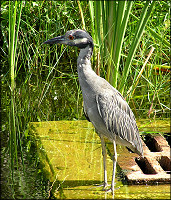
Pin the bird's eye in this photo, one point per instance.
(71, 37)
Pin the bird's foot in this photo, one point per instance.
(109, 190)
(104, 185)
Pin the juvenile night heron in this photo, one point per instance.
(104, 106)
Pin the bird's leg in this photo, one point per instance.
(114, 167)
(104, 153)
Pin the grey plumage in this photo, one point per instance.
(104, 106)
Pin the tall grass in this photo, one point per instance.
(43, 79)
(110, 21)
(110, 35)
(113, 26)
(15, 9)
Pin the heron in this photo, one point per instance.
(103, 105)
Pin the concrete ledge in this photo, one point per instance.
(153, 168)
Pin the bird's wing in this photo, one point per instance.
(85, 113)
(118, 117)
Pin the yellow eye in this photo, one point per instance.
(71, 37)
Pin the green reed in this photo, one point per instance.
(15, 9)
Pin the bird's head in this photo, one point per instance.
(78, 38)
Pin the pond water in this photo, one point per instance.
(70, 153)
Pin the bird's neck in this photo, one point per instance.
(85, 73)
(85, 56)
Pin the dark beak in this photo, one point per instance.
(58, 40)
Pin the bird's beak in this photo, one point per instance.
(58, 40)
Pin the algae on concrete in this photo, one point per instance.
(71, 155)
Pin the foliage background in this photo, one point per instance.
(46, 79)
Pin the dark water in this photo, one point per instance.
(28, 184)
